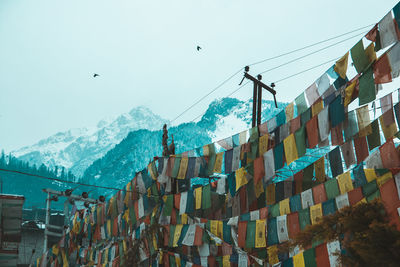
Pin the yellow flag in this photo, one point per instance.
(177, 234)
(384, 178)
(214, 227)
(260, 234)
(316, 213)
(317, 107)
(319, 167)
(298, 260)
(341, 65)
(218, 162)
(370, 52)
(240, 178)
(109, 233)
(270, 194)
(226, 261)
(284, 206)
(220, 229)
(258, 188)
(128, 195)
(364, 122)
(155, 242)
(290, 149)
(289, 111)
(272, 252)
(198, 191)
(263, 144)
(184, 218)
(65, 260)
(106, 255)
(177, 260)
(363, 200)
(345, 183)
(370, 175)
(55, 249)
(124, 245)
(183, 168)
(388, 131)
(126, 215)
(348, 92)
(152, 174)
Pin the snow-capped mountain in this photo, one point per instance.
(223, 118)
(76, 149)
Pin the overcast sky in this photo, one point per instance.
(145, 53)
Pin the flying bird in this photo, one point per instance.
(95, 75)
(198, 48)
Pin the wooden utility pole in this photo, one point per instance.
(52, 195)
(257, 95)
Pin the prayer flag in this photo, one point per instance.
(348, 153)
(319, 167)
(367, 87)
(290, 149)
(348, 93)
(360, 59)
(282, 228)
(312, 94)
(289, 111)
(394, 60)
(298, 260)
(198, 193)
(382, 70)
(341, 65)
(335, 161)
(316, 213)
(323, 124)
(388, 131)
(260, 234)
(342, 201)
(336, 111)
(240, 178)
(319, 193)
(293, 224)
(284, 206)
(389, 155)
(300, 104)
(387, 30)
(307, 198)
(345, 183)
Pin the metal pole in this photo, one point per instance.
(259, 105)
(47, 222)
(253, 122)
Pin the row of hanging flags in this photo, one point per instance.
(246, 210)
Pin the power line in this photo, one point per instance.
(281, 55)
(213, 90)
(311, 53)
(308, 46)
(298, 73)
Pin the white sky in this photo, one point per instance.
(145, 53)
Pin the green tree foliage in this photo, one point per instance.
(29, 186)
(367, 238)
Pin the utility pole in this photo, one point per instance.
(257, 95)
(52, 195)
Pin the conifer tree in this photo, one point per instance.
(366, 237)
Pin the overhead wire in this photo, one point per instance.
(308, 46)
(275, 57)
(311, 53)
